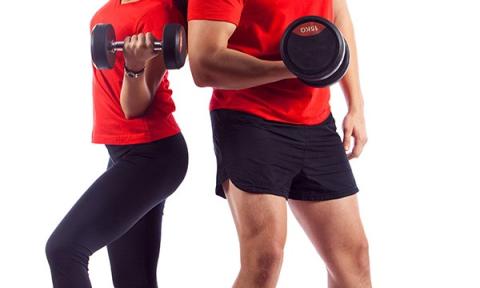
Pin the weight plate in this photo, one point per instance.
(312, 48)
(101, 46)
(338, 75)
(174, 46)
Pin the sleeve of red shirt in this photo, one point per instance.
(216, 10)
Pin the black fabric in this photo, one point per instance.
(122, 209)
(293, 161)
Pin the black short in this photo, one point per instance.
(293, 161)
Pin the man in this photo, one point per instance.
(275, 138)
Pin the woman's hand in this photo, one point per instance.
(137, 50)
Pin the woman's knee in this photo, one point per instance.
(63, 250)
(53, 248)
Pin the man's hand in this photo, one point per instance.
(354, 126)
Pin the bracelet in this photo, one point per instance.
(133, 74)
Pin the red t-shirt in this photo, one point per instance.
(110, 125)
(260, 26)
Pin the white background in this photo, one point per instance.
(418, 175)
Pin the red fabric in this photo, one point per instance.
(260, 26)
(110, 125)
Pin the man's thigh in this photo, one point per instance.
(257, 216)
(334, 227)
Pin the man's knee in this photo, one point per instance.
(360, 257)
(263, 263)
(352, 264)
(263, 246)
(262, 258)
(268, 258)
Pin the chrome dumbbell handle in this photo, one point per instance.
(118, 46)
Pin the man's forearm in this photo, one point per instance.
(350, 83)
(231, 69)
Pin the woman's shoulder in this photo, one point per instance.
(166, 9)
(102, 12)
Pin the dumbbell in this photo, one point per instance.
(104, 46)
(315, 51)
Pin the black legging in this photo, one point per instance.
(122, 209)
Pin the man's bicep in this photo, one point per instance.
(207, 37)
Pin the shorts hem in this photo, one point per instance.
(248, 189)
(326, 196)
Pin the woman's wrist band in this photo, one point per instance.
(133, 74)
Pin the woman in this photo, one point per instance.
(148, 156)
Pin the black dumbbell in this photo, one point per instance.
(104, 47)
(315, 51)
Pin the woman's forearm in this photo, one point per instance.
(137, 93)
(135, 96)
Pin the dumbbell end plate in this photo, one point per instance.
(335, 77)
(101, 40)
(312, 48)
(174, 46)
